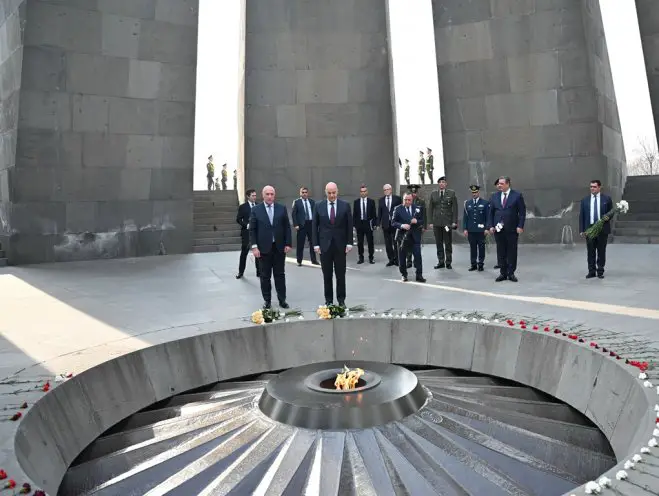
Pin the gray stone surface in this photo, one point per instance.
(317, 96)
(648, 22)
(104, 142)
(136, 380)
(526, 91)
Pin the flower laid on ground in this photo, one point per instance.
(326, 312)
(11, 484)
(642, 366)
(593, 487)
(622, 207)
(621, 475)
(645, 450)
(642, 376)
(63, 377)
(46, 387)
(268, 315)
(629, 465)
(25, 488)
(652, 443)
(16, 416)
(3, 474)
(604, 482)
(24, 405)
(647, 384)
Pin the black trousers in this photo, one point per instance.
(507, 251)
(389, 243)
(476, 247)
(364, 230)
(272, 265)
(333, 263)
(596, 250)
(244, 251)
(444, 242)
(304, 233)
(410, 248)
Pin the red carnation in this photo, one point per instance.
(510, 322)
(581, 340)
(16, 416)
(557, 331)
(39, 492)
(11, 484)
(46, 387)
(546, 329)
(535, 328)
(26, 489)
(3, 474)
(612, 353)
(604, 350)
(522, 322)
(523, 326)
(573, 337)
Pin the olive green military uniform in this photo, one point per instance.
(224, 178)
(422, 170)
(443, 215)
(235, 179)
(210, 173)
(407, 173)
(430, 167)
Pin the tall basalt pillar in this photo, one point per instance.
(317, 96)
(526, 91)
(648, 22)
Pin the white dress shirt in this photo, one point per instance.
(329, 214)
(595, 212)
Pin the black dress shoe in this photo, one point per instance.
(283, 304)
(299, 264)
(472, 268)
(403, 278)
(420, 279)
(328, 303)
(590, 275)
(360, 261)
(480, 268)
(501, 278)
(267, 305)
(448, 266)
(315, 262)
(258, 274)
(512, 278)
(497, 266)
(390, 264)
(440, 266)
(409, 265)
(342, 303)
(371, 261)
(239, 276)
(600, 276)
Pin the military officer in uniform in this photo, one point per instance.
(407, 171)
(210, 172)
(430, 167)
(414, 190)
(474, 224)
(444, 217)
(225, 174)
(235, 179)
(422, 168)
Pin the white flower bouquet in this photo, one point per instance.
(622, 207)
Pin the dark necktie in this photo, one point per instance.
(388, 204)
(596, 213)
(364, 209)
(442, 194)
(306, 209)
(409, 211)
(332, 213)
(505, 198)
(475, 201)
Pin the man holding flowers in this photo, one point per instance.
(595, 225)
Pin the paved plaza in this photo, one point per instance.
(61, 318)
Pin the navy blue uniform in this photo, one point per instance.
(475, 222)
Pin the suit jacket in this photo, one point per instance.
(244, 213)
(605, 206)
(261, 232)
(443, 211)
(400, 217)
(513, 215)
(371, 214)
(298, 213)
(384, 216)
(323, 233)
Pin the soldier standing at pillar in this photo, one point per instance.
(444, 217)
(422, 168)
(430, 166)
(235, 179)
(474, 223)
(225, 175)
(210, 172)
(407, 172)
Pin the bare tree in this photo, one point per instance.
(646, 161)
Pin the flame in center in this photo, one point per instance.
(348, 379)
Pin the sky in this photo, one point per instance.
(218, 65)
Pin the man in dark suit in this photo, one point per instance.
(270, 236)
(416, 200)
(332, 240)
(302, 213)
(386, 206)
(593, 208)
(408, 219)
(474, 224)
(363, 218)
(244, 213)
(507, 217)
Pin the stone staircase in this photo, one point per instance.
(3, 257)
(641, 224)
(214, 218)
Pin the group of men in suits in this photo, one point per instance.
(328, 227)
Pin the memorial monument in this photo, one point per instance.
(97, 112)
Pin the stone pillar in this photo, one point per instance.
(648, 23)
(317, 96)
(104, 156)
(522, 85)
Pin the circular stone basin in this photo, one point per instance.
(305, 396)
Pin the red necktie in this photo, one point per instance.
(332, 214)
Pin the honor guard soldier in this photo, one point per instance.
(430, 166)
(475, 225)
(225, 175)
(407, 171)
(422, 168)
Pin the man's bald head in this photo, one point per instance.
(268, 194)
(331, 191)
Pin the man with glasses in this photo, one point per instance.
(593, 208)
